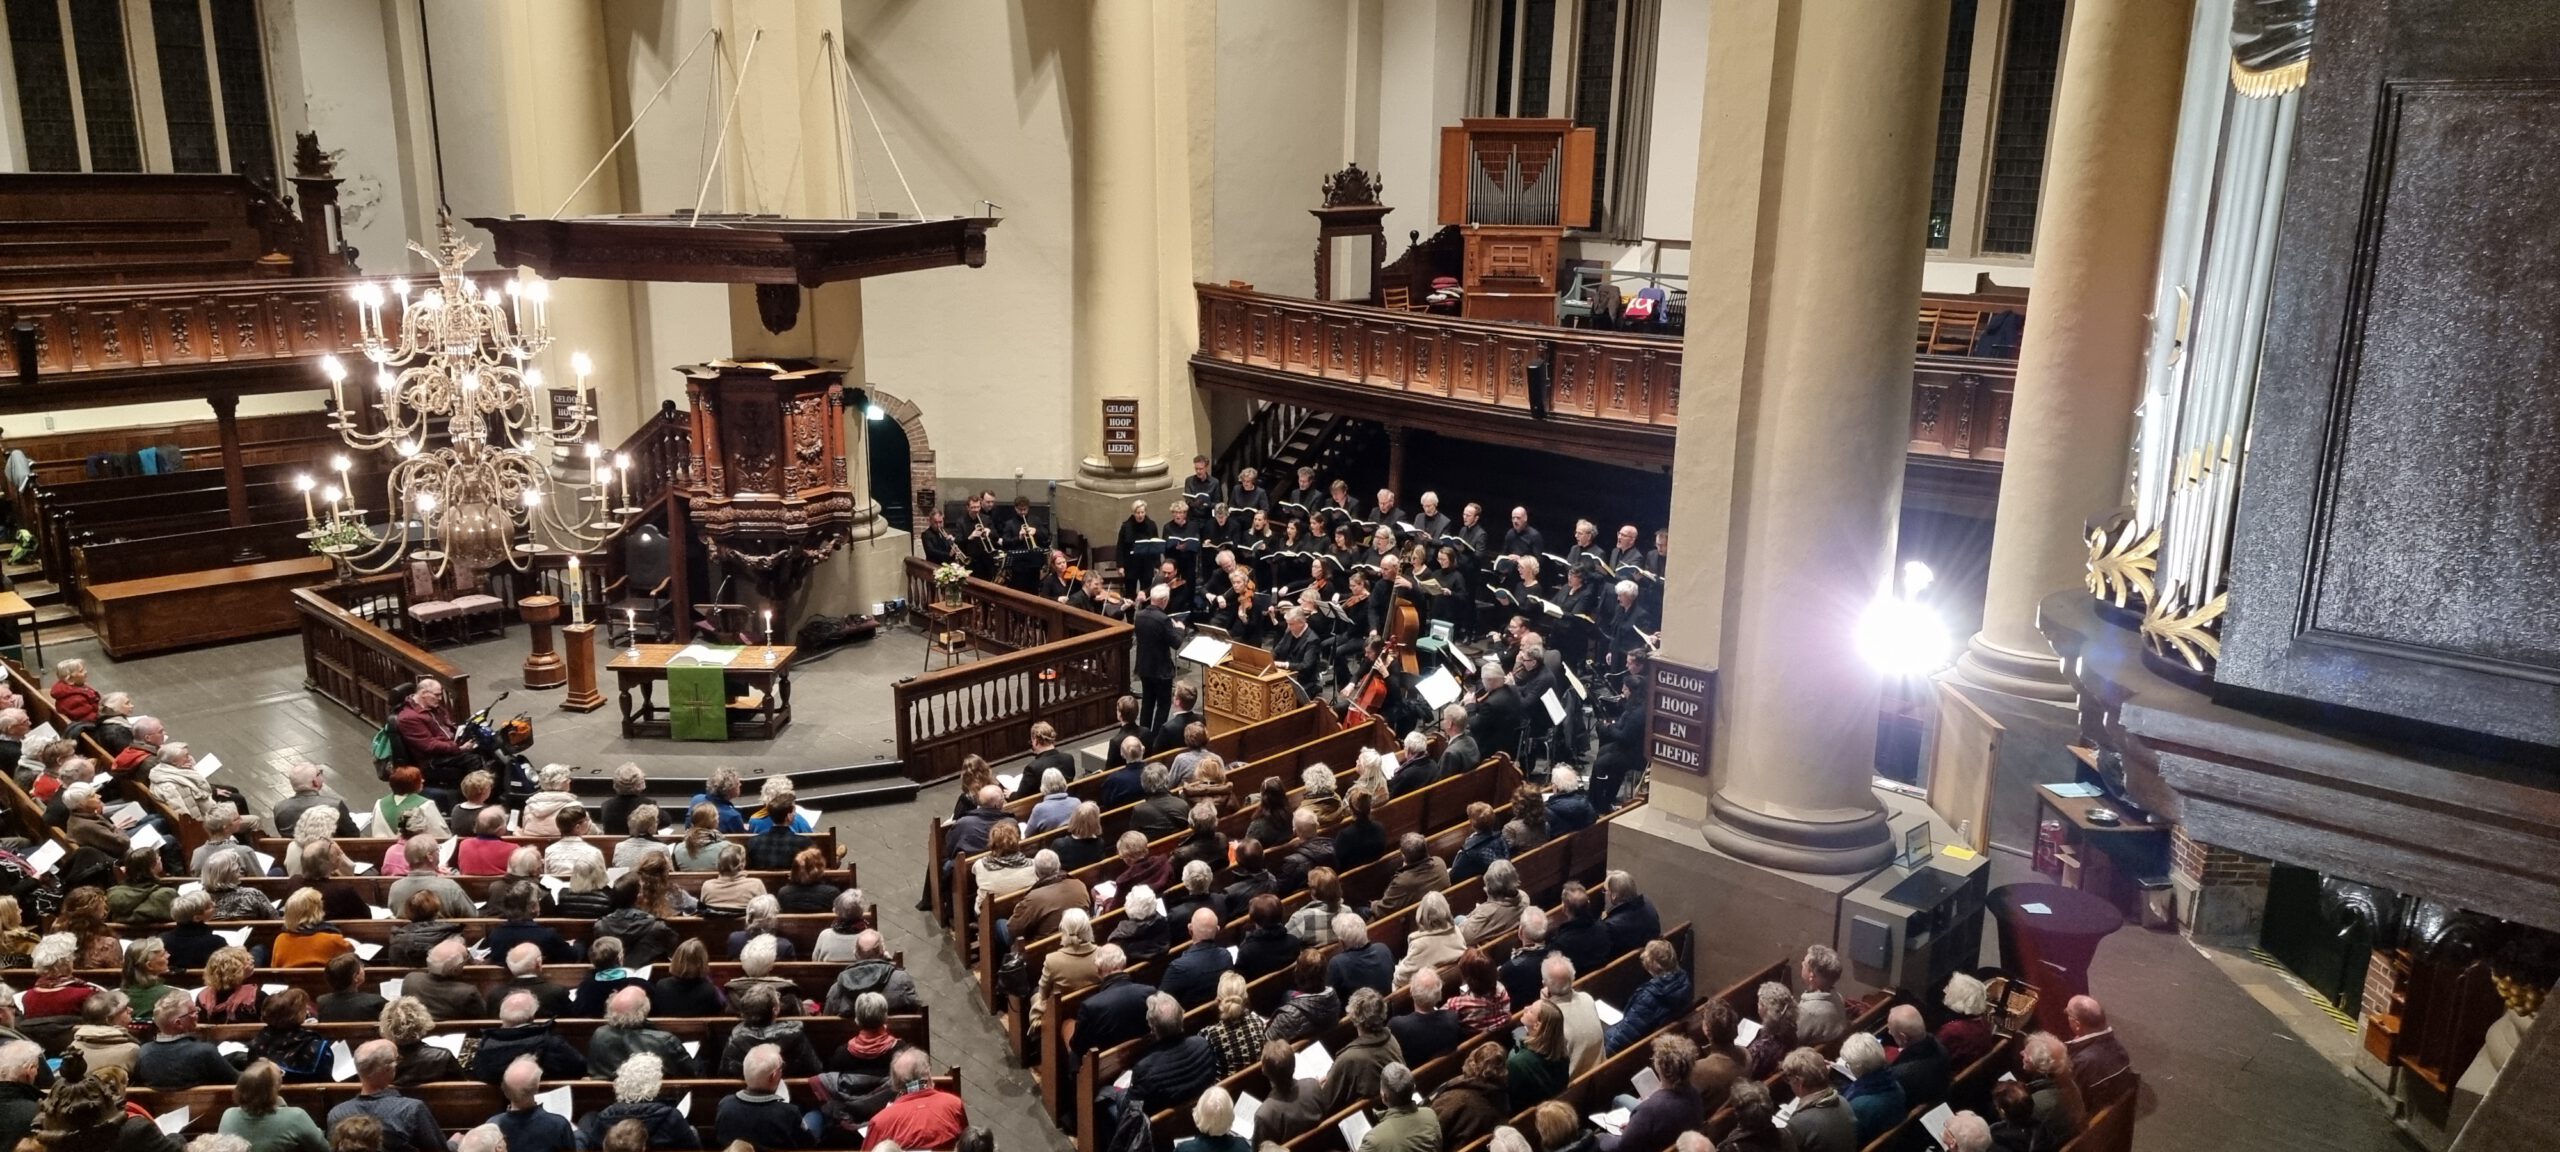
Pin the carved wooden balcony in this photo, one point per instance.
(118, 344)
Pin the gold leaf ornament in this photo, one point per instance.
(2191, 637)
(2121, 563)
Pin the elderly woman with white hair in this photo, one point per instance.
(542, 809)
(755, 970)
(1321, 796)
(763, 922)
(87, 824)
(1144, 932)
(221, 879)
(1056, 804)
(1069, 967)
(59, 991)
(1433, 940)
(635, 1097)
(1967, 1035)
(630, 794)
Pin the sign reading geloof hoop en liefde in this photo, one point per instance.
(1679, 715)
(1120, 429)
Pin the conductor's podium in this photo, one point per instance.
(1244, 689)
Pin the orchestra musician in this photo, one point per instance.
(939, 545)
(1055, 583)
(1024, 545)
(1621, 740)
(1299, 650)
(1180, 601)
(1132, 530)
(1096, 597)
(978, 537)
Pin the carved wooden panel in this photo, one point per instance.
(2399, 529)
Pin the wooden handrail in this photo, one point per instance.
(1055, 663)
(346, 658)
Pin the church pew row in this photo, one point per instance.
(1612, 985)
(1556, 859)
(1869, 1019)
(810, 977)
(373, 848)
(186, 830)
(2110, 1129)
(1968, 1090)
(1428, 809)
(376, 887)
(827, 1034)
(460, 1106)
(801, 928)
(1338, 750)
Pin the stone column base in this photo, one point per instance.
(2026, 675)
(1096, 506)
(1689, 879)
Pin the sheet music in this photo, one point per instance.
(1206, 650)
(1439, 689)
(1555, 707)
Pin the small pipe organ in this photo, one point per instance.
(1513, 186)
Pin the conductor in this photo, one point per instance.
(1155, 640)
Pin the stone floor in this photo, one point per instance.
(2232, 1058)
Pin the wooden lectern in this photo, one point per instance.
(1514, 186)
(1244, 688)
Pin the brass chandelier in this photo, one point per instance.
(461, 361)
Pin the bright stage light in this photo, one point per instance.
(1902, 636)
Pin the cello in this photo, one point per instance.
(1395, 648)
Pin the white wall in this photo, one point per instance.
(1282, 73)
(330, 63)
(1423, 88)
(168, 412)
(661, 171)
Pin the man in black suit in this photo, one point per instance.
(1299, 650)
(1045, 754)
(1201, 489)
(1496, 725)
(1155, 638)
(1533, 679)
(1186, 712)
(1116, 1012)
(1621, 747)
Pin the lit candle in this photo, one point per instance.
(577, 593)
(768, 627)
(427, 516)
(302, 483)
(622, 472)
(329, 496)
(341, 464)
(337, 374)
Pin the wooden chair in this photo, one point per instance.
(1398, 299)
(428, 610)
(638, 601)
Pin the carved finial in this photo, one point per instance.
(308, 159)
(1351, 188)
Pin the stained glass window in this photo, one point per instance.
(186, 91)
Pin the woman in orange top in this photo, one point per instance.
(308, 940)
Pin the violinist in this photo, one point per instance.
(1096, 597)
(939, 545)
(1348, 641)
(1231, 603)
(1138, 527)
(1180, 599)
(1059, 580)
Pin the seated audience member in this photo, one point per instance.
(1875, 1096)
(474, 796)
(1312, 1007)
(807, 889)
(1056, 804)
(1372, 1047)
(1577, 1012)
(1822, 1120)
(1051, 894)
(289, 1042)
(524, 974)
(1430, 1030)
(1144, 933)
(1360, 962)
(867, 1052)
(1777, 1017)
(1293, 1107)
(1312, 849)
(1160, 813)
(104, 1038)
(1126, 781)
(407, 1023)
(1268, 945)
(2098, 1059)
(1361, 839)
(1577, 933)
(720, 794)
(1483, 1002)
(1072, 966)
(1213, 1124)
(258, 1117)
(1821, 1017)
(766, 816)
(732, 888)
(551, 795)
(1432, 941)
(759, 1114)
(309, 782)
(755, 967)
(757, 1009)
(1631, 920)
(1246, 879)
(835, 941)
(1661, 999)
(84, 916)
(1116, 1011)
(408, 795)
(518, 927)
(635, 1098)
(440, 987)
(923, 1115)
(324, 867)
(85, 821)
(179, 1057)
(1046, 757)
(1919, 1064)
(1967, 1035)
(524, 871)
(562, 856)
(626, 1033)
(1205, 845)
(763, 922)
(1519, 971)
(630, 795)
(651, 887)
(1538, 1068)
(1192, 978)
(1176, 1067)
(2045, 1065)
(1500, 910)
(772, 849)
(1236, 1035)
(1484, 844)
(142, 898)
(1082, 844)
(1568, 809)
(640, 839)
(1716, 1029)
(1755, 1125)
(146, 975)
(1138, 867)
(526, 1125)
(74, 701)
(1003, 869)
(426, 928)
(58, 991)
(2016, 1130)
(1403, 1125)
(606, 975)
(405, 1124)
(686, 989)
(699, 851)
(348, 1001)
(1418, 871)
(222, 824)
(424, 875)
(315, 828)
(308, 940)
(519, 1034)
(1476, 1101)
(1966, 1132)
(230, 995)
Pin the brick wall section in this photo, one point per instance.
(2214, 867)
(2378, 984)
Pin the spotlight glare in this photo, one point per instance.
(1903, 638)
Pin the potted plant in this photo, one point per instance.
(950, 584)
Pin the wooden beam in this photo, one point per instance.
(226, 419)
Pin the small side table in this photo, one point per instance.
(583, 696)
(947, 633)
(543, 667)
(15, 607)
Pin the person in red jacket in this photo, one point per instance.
(922, 1116)
(428, 734)
(73, 698)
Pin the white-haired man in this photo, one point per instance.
(179, 1057)
(1361, 963)
(85, 819)
(1583, 1031)
(519, 1034)
(922, 1116)
(485, 1138)
(408, 1125)
(526, 1124)
(1875, 1098)
(1498, 713)
(635, 1097)
(626, 1033)
(311, 790)
(1155, 636)
(759, 1114)
(20, 1060)
(1430, 1031)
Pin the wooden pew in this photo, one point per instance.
(2110, 1129)
(462, 1105)
(374, 848)
(827, 1033)
(1973, 1082)
(376, 887)
(186, 830)
(810, 977)
(801, 928)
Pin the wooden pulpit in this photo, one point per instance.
(1244, 688)
(1513, 185)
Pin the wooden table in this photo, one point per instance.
(948, 634)
(761, 666)
(2114, 858)
(15, 607)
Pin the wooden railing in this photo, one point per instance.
(125, 328)
(347, 658)
(1611, 393)
(1050, 662)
